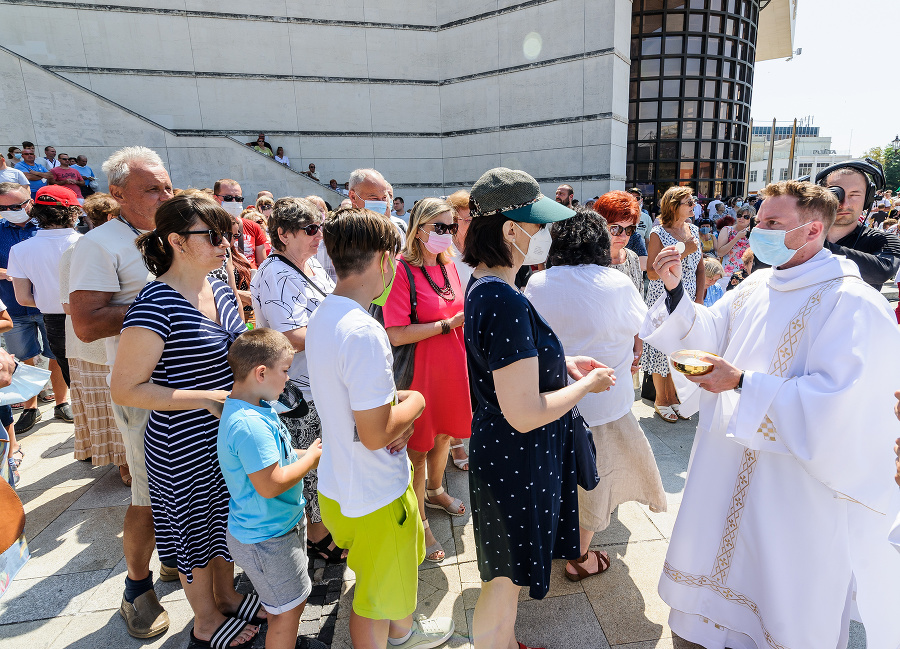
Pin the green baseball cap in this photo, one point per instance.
(517, 196)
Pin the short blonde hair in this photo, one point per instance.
(459, 200)
(425, 211)
(816, 203)
(713, 267)
(668, 204)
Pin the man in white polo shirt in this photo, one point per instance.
(107, 274)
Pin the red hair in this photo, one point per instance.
(618, 206)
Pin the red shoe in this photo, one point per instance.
(522, 646)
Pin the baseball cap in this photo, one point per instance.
(517, 196)
(56, 195)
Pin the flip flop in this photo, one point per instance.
(463, 464)
(230, 629)
(602, 565)
(666, 413)
(248, 609)
(455, 508)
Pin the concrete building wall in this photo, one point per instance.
(430, 93)
(37, 105)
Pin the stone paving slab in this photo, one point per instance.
(69, 593)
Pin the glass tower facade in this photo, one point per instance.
(689, 95)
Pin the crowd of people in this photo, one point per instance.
(287, 381)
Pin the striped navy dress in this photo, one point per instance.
(188, 495)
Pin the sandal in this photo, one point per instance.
(434, 548)
(463, 464)
(677, 408)
(666, 413)
(125, 475)
(524, 646)
(455, 508)
(331, 555)
(46, 396)
(248, 611)
(602, 565)
(230, 629)
(15, 463)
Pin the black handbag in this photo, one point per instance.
(404, 355)
(585, 455)
(648, 390)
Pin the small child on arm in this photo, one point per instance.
(266, 529)
(365, 485)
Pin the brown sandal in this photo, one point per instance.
(602, 563)
(125, 475)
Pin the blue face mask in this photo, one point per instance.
(704, 230)
(379, 207)
(769, 247)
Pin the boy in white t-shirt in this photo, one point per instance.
(365, 487)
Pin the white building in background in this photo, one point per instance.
(812, 153)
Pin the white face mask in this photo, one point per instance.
(379, 207)
(538, 247)
(233, 208)
(18, 217)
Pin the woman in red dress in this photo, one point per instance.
(440, 358)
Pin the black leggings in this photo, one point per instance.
(55, 324)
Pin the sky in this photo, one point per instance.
(847, 77)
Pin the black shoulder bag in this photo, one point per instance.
(404, 355)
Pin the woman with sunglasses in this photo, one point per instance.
(677, 206)
(622, 212)
(172, 361)
(440, 358)
(734, 240)
(289, 285)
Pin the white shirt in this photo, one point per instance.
(285, 160)
(92, 352)
(594, 311)
(11, 175)
(284, 301)
(698, 212)
(106, 260)
(462, 268)
(711, 208)
(350, 360)
(37, 259)
(47, 163)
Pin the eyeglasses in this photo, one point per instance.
(616, 230)
(442, 228)
(13, 208)
(743, 216)
(690, 203)
(228, 198)
(215, 238)
(312, 229)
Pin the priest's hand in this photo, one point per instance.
(668, 266)
(724, 375)
(897, 452)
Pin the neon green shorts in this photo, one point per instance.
(386, 548)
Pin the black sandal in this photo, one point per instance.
(248, 610)
(331, 555)
(230, 629)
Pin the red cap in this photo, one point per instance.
(56, 195)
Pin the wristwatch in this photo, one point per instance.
(740, 385)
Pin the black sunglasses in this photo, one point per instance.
(228, 198)
(13, 208)
(443, 228)
(215, 238)
(691, 202)
(312, 229)
(616, 230)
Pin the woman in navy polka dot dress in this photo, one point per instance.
(521, 456)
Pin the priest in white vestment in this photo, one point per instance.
(783, 529)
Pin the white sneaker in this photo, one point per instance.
(428, 633)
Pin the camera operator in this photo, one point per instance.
(876, 252)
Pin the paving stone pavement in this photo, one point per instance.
(68, 594)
